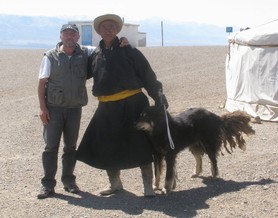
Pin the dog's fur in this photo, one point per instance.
(197, 129)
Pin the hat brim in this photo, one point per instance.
(117, 19)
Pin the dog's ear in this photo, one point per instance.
(145, 111)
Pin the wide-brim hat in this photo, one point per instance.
(117, 19)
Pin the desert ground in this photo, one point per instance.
(192, 77)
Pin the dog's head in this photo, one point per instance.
(150, 118)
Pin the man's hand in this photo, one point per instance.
(123, 42)
(161, 101)
(44, 115)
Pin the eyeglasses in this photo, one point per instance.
(107, 26)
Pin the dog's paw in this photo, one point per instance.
(149, 194)
(196, 175)
(165, 191)
(156, 187)
(213, 177)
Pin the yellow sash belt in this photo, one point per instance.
(119, 96)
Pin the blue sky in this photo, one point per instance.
(218, 12)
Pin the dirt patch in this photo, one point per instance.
(192, 77)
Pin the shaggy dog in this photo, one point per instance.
(197, 129)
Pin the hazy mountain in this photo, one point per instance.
(43, 32)
(182, 34)
(29, 32)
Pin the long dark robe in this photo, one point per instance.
(111, 141)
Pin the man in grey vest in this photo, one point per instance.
(62, 94)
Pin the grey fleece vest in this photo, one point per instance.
(66, 85)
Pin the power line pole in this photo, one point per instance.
(162, 40)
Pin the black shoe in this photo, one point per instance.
(45, 192)
(72, 188)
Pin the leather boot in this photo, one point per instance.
(115, 182)
(147, 176)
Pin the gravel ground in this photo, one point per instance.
(192, 77)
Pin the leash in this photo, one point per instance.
(168, 130)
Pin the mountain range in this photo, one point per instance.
(43, 32)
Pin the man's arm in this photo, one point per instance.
(43, 78)
(43, 113)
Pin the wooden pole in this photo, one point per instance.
(162, 39)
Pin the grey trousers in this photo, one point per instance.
(66, 122)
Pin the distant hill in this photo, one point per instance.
(183, 34)
(43, 32)
(29, 32)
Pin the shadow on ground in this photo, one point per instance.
(176, 204)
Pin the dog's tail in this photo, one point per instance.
(236, 124)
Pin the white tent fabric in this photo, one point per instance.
(252, 72)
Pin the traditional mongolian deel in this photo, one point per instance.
(111, 141)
